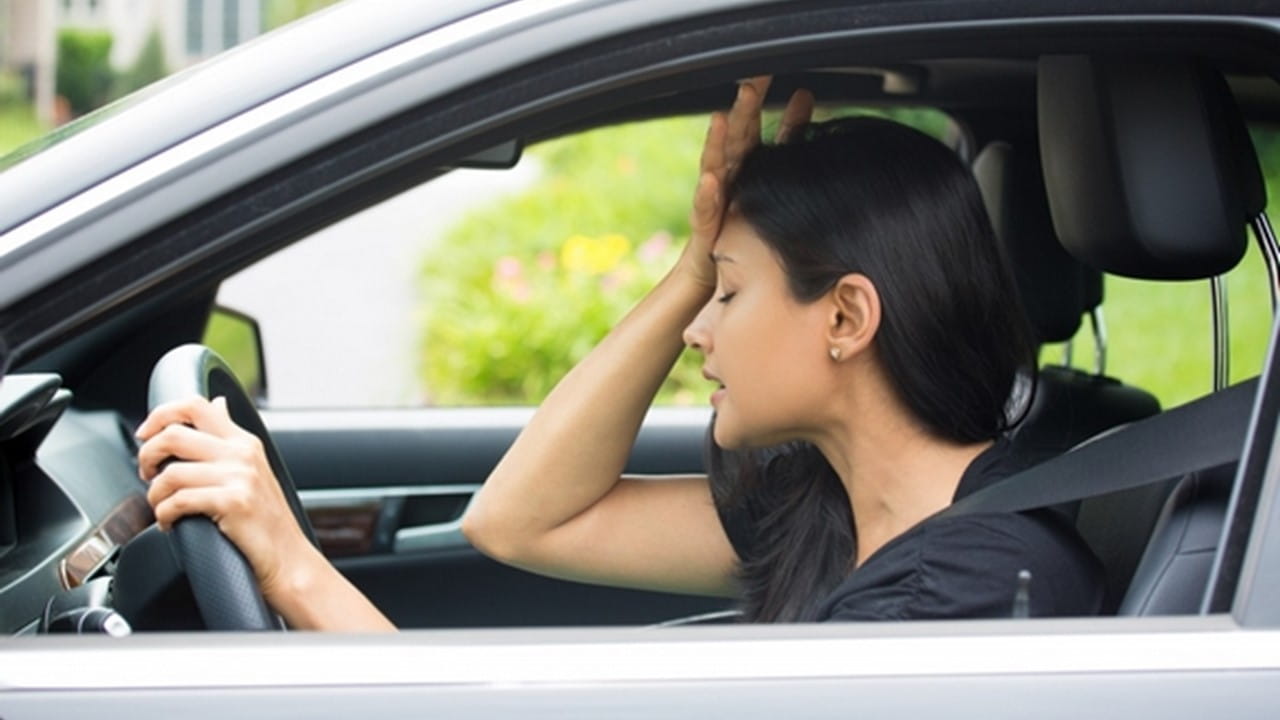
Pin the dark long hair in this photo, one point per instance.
(878, 198)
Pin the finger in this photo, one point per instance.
(799, 112)
(712, 160)
(210, 416)
(176, 441)
(744, 120)
(180, 475)
(214, 502)
(215, 418)
(179, 412)
(760, 85)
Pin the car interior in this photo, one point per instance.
(1094, 160)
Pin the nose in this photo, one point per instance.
(697, 334)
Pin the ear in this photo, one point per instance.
(854, 315)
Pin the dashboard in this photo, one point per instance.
(70, 500)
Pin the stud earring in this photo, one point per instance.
(835, 353)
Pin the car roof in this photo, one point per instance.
(111, 139)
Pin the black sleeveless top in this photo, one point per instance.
(963, 566)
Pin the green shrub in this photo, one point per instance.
(13, 89)
(520, 291)
(148, 68)
(84, 75)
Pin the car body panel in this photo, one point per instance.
(1114, 668)
(171, 220)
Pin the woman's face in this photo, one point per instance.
(766, 350)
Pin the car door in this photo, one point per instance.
(385, 489)
(387, 456)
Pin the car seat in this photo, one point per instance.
(1150, 174)
(1068, 405)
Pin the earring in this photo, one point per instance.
(835, 353)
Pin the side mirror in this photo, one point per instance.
(499, 157)
(238, 339)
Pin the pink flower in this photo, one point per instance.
(508, 268)
(655, 246)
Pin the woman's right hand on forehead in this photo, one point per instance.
(730, 137)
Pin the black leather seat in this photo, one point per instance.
(1067, 405)
(1175, 567)
(1150, 174)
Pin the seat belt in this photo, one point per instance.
(1202, 434)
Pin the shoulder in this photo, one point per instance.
(967, 567)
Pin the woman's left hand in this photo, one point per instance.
(199, 462)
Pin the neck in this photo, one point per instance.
(895, 472)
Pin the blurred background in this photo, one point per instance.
(485, 287)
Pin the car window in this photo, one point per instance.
(484, 287)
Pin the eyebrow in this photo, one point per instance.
(719, 258)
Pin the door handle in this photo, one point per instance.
(362, 521)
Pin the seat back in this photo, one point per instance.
(1149, 173)
(1067, 405)
(1175, 567)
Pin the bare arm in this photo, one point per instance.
(557, 503)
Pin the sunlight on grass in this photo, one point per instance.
(18, 125)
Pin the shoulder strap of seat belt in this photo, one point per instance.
(1200, 435)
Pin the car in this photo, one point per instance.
(116, 238)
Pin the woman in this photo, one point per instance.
(848, 297)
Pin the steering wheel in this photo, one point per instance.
(224, 585)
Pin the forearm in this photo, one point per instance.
(315, 596)
(575, 447)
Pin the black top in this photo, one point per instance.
(963, 566)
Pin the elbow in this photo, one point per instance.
(485, 533)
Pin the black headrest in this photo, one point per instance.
(1049, 279)
(1148, 165)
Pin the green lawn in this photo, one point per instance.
(18, 125)
(1160, 334)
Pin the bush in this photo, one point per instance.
(519, 292)
(148, 68)
(84, 75)
(13, 89)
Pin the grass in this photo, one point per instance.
(1160, 334)
(18, 125)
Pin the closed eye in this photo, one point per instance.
(726, 297)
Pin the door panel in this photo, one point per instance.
(386, 489)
